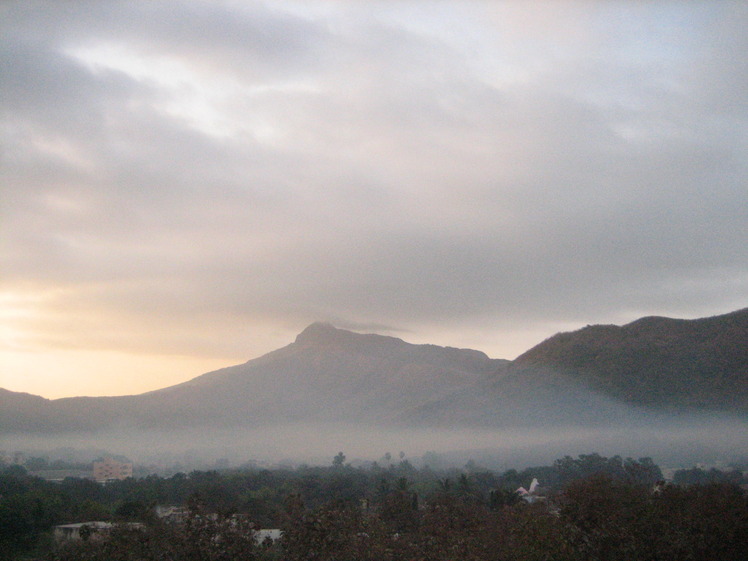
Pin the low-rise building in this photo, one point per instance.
(171, 514)
(94, 530)
(109, 469)
(81, 530)
(268, 535)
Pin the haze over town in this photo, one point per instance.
(187, 185)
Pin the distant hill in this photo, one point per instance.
(330, 375)
(22, 413)
(655, 361)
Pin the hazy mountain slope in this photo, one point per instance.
(326, 374)
(22, 412)
(656, 361)
(519, 397)
(329, 375)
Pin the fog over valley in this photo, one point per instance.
(680, 442)
(671, 389)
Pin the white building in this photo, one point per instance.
(74, 532)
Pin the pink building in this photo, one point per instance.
(109, 469)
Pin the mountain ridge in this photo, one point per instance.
(656, 361)
(327, 374)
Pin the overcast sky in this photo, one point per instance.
(187, 184)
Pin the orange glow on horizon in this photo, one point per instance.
(57, 373)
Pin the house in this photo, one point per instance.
(171, 514)
(267, 535)
(534, 494)
(80, 530)
(88, 530)
(109, 469)
(180, 514)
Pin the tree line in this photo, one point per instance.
(593, 507)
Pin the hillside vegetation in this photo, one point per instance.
(657, 361)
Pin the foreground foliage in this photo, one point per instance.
(593, 519)
(593, 508)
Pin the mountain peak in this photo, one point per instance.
(320, 332)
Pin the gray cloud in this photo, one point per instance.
(344, 161)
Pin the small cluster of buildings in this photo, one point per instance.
(104, 470)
